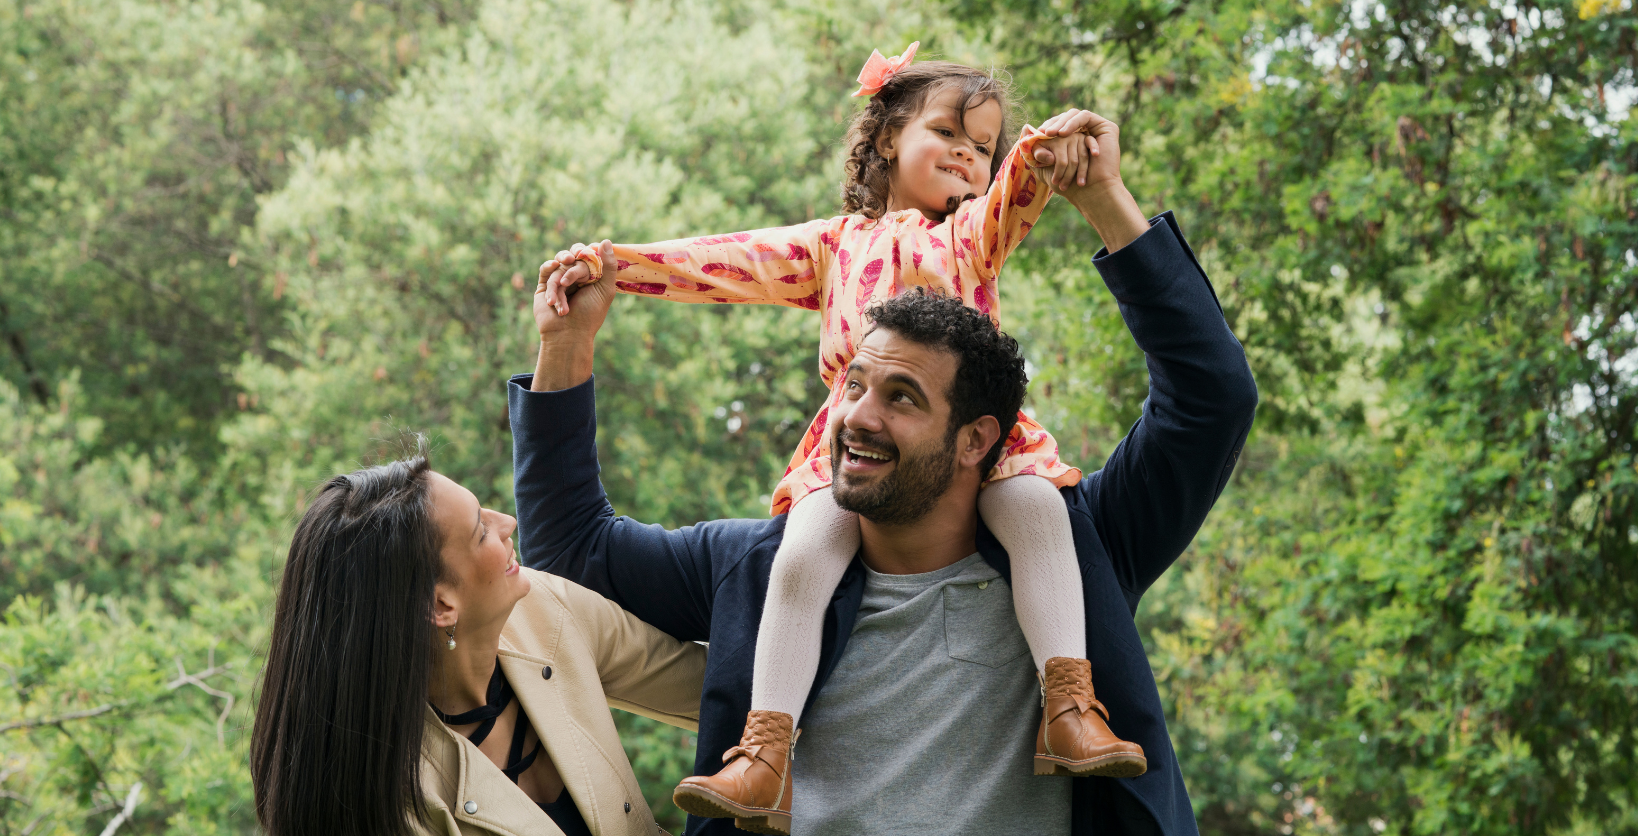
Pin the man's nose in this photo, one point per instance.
(863, 414)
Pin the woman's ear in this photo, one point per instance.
(446, 607)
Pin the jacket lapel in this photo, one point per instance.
(582, 768)
(493, 797)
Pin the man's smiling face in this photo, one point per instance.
(892, 450)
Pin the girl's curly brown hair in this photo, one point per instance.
(865, 185)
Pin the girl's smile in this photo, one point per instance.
(937, 156)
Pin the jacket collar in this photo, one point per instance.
(498, 801)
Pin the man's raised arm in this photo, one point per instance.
(1155, 490)
(566, 523)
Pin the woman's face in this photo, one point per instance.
(481, 578)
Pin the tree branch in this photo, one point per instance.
(60, 719)
(183, 678)
(19, 348)
(196, 680)
(131, 799)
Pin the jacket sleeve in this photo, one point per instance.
(567, 527)
(988, 230)
(776, 266)
(642, 669)
(1153, 493)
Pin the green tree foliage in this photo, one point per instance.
(1416, 611)
(135, 141)
(411, 255)
(242, 244)
(147, 682)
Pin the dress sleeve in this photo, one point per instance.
(775, 266)
(988, 230)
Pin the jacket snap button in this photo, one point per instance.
(470, 807)
(628, 806)
(546, 672)
(983, 584)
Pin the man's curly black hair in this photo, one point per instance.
(989, 378)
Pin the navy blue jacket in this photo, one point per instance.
(1131, 520)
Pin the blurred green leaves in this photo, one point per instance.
(242, 245)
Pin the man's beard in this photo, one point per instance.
(916, 484)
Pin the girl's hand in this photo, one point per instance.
(558, 276)
(1070, 148)
(1070, 157)
(1103, 138)
(552, 315)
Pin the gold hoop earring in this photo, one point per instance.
(450, 631)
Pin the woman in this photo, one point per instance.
(419, 681)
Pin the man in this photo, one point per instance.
(886, 749)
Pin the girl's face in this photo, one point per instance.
(936, 157)
(481, 578)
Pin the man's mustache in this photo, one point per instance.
(874, 442)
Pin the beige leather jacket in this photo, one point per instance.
(569, 654)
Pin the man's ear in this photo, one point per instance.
(446, 606)
(975, 440)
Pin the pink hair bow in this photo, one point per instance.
(878, 70)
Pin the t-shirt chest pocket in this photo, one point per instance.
(980, 625)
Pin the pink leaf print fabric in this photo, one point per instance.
(814, 266)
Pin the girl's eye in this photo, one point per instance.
(944, 132)
(983, 150)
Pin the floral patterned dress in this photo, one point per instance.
(840, 267)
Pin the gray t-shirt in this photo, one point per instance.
(928, 723)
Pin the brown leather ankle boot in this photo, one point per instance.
(1075, 739)
(754, 786)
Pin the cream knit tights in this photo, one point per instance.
(1029, 518)
(820, 541)
(1024, 512)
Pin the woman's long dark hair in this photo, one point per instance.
(336, 747)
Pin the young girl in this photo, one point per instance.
(934, 135)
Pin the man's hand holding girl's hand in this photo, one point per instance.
(1092, 184)
(567, 275)
(562, 274)
(1082, 148)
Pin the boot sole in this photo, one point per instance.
(1106, 766)
(709, 805)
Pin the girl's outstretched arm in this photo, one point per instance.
(775, 266)
(989, 229)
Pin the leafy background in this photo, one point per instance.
(241, 243)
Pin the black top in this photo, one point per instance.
(563, 811)
(1131, 519)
